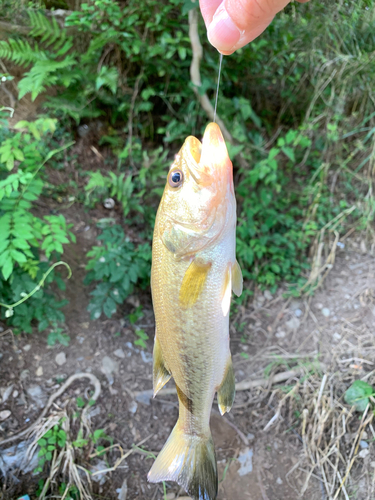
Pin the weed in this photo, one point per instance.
(58, 335)
(119, 265)
(26, 237)
(136, 315)
(142, 338)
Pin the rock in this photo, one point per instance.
(364, 453)
(39, 371)
(363, 247)
(95, 411)
(250, 436)
(37, 395)
(60, 358)
(15, 394)
(7, 392)
(245, 458)
(293, 324)
(16, 457)
(144, 397)
(280, 334)
(337, 336)
(99, 478)
(119, 353)
(5, 414)
(319, 306)
(268, 295)
(109, 203)
(123, 491)
(279, 480)
(326, 312)
(146, 357)
(133, 407)
(133, 300)
(363, 444)
(24, 374)
(27, 347)
(372, 464)
(298, 313)
(109, 367)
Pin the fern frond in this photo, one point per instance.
(50, 32)
(44, 27)
(21, 52)
(43, 74)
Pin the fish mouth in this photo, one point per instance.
(207, 159)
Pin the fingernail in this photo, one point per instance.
(222, 32)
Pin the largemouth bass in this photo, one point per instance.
(194, 271)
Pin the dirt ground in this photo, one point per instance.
(270, 336)
(273, 443)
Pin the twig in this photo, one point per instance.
(261, 487)
(279, 406)
(245, 385)
(52, 398)
(122, 458)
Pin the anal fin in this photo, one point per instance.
(227, 389)
(161, 375)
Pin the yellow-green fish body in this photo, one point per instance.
(194, 270)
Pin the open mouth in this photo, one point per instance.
(206, 157)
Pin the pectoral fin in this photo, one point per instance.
(161, 375)
(193, 283)
(237, 280)
(227, 390)
(227, 290)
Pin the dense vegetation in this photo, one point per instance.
(298, 102)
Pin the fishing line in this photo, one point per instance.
(217, 88)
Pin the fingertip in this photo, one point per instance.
(222, 33)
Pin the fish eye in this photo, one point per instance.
(175, 178)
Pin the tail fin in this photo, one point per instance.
(190, 461)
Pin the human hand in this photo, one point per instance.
(231, 24)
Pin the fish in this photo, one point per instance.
(194, 271)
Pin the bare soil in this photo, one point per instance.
(261, 449)
(264, 340)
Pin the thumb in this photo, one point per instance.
(231, 24)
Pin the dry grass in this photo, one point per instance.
(332, 433)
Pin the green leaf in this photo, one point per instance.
(7, 268)
(109, 307)
(18, 256)
(107, 77)
(80, 443)
(80, 402)
(289, 153)
(358, 395)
